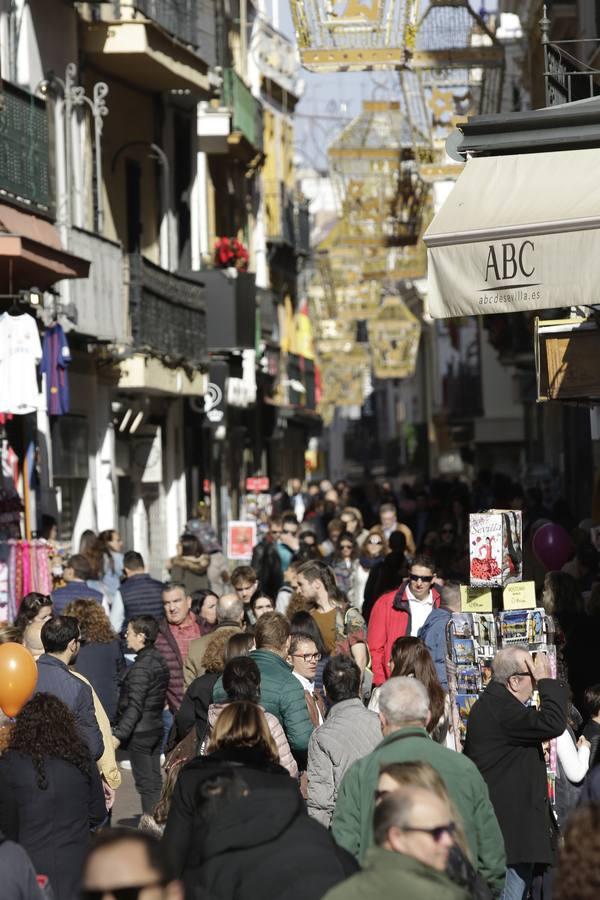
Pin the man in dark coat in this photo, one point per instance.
(61, 639)
(504, 740)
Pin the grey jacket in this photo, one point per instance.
(348, 733)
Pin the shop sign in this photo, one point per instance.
(256, 485)
(241, 538)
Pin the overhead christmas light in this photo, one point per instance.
(354, 35)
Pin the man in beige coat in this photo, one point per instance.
(230, 614)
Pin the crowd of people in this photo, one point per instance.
(287, 721)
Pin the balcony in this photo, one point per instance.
(235, 125)
(103, 319)
(279, 213)
(276, 58)
(168, 314)
(24, 151)
(287, 219)
(230, 309)
(157, 45)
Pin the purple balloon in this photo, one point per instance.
(552, 546)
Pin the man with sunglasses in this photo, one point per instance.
(414, 833)
(504, 739)
(128, 865)
(412, 610)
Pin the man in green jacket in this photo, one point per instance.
(404, 714)
(280, 691)
(414, 833)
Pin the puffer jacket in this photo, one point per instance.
(277, 733)
(280, 694)
(143, 695)
(191, 571)
(348, 733)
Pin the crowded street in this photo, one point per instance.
(299, 450)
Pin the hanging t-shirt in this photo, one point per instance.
(55, 359)
(20, 352)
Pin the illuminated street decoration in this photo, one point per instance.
(354, 35)
(358, 301)
(380, 195)
(457, 71)
(394, 339)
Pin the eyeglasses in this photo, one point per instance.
(426, 579)
(307, 657)
(526, 674)
(123, 893)
(375, 541)
(436, 833)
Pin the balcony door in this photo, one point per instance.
(133, 200)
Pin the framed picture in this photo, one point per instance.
(241, 538)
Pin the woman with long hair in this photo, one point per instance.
(345, 561)
(100, 658)
(388, 576)
(372, 552)
(111, 545)
(57, 789)
(411, 658)
(261, 604)
(35, 609)
(237, 826)
(91, 547)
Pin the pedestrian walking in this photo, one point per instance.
(57, 790)
(100, 658)
(348, 733)
(138, 595)
(139, 724)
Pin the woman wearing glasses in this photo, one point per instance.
(35, 609)
(372, 552)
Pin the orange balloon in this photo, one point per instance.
(18, 677)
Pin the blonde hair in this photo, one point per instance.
(423, 775)
(378, 530)
(243, 724)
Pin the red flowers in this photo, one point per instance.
(231, 252)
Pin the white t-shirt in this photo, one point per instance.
(419, 611)
(20, 352)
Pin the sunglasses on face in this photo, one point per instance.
(375, 541)
(436, 833)
(293, 531)
(124, 893)
(426, 579)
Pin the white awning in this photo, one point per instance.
(517, 233)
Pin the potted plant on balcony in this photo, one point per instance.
(230, 254)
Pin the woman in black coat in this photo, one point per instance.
(100, 658)
(57, 790)
(237, 821)
(139, 724)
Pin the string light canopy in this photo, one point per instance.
(451, 35)
(354, 35)
(457, 70)
(380, 194)
(394, 336)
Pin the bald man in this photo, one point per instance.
(230, 614)
(505, 734)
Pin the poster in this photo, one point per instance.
(496, 540)
(474, 599)
(241, 538)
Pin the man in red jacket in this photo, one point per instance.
(402, 612)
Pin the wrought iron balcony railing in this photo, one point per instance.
(168, 313)
(24, 149)
(246, 110)
(568, 77)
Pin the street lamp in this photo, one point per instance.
(74, 96)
